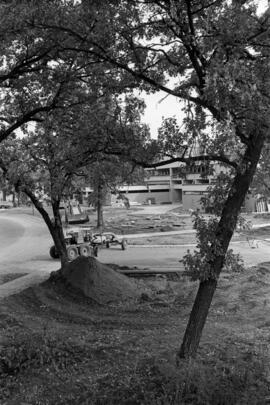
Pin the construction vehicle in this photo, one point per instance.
(82, 242)
(75, 215)
(78, 244)
(109, 238)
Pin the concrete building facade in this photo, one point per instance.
(177, 183)
(172, 183)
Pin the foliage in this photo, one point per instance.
(48, 160)
(71, 102)
(27, 78)
(111, 174)
(261, 182)
(213, 55)
(198, 264)
(113, 169)
(213, 201)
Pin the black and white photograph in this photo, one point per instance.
(134, 202)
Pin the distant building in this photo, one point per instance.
(177, 183)
(171, 183)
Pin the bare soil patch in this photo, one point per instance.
(181, 239)
(190, 238)
(122, 221)
(131, 221)
(59, 347)
(128, 222)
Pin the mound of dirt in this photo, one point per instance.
(99, 282)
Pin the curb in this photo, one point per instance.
(21, 283)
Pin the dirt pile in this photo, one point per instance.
(99, 282)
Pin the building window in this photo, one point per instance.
(202, 181)
(188, 181)
(160, 191)
(133, 191)
(163, 172)
(178, 171)
(195, 193)
(194, 169)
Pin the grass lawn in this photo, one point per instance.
(60, 348)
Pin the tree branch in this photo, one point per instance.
(27, 117)
(188, 160)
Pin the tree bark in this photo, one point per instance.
(55, 228)
(100, 219)
(14, 198)
(57, 233)
(4, 194)
(18, 199)
(224, 232)
(197, 318)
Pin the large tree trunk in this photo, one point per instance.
(224, 232)
(55, 227)
(18, 199)
(197, 318)
(100, 219)
(57, 233)
(14, 198)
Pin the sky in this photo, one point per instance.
(158, 107)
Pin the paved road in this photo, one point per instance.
(26, 241)
(10, 232)
(163, 256)
(26, 248)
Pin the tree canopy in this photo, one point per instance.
(48, 159)
(214, 55)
